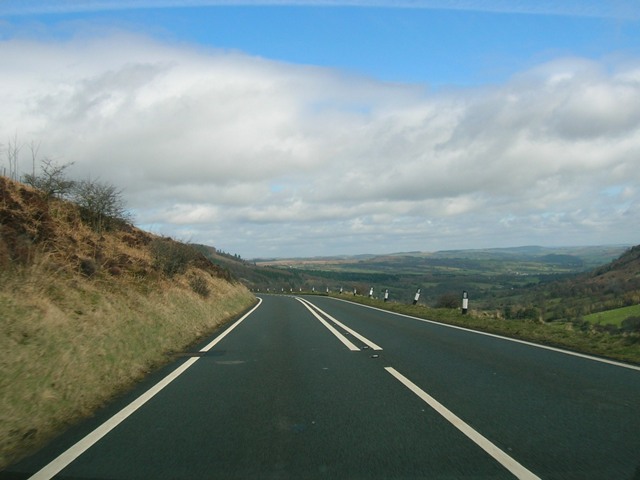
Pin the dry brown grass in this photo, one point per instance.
(84, 316)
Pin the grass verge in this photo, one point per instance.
(622, 347)
(69, 345)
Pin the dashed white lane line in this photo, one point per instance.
(73, 452)
(505, 460)
(362, 338)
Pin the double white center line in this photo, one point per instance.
(316, 311)
(489, 447)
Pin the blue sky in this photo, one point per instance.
(318, 128)
(433, 46)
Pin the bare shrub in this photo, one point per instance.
(172, 257)
(448, 300)
(101, 205)
(631, 324)
(88, 267)
(199, 285)
(52, 180)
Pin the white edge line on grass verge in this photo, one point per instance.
(362, 338)
(64, 459)
(501, 337)
(330, 327)
(496, 453)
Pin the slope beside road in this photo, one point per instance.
(319, 388)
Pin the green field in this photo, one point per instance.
(614, 317)
(491, 276)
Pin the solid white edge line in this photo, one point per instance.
(501, 337)
(505, 460)
(64, 459)
(209, 346)
(330, 327)
(362, 338)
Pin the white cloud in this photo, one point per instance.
(266, 158)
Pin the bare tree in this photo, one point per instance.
(52, 180)
(101, 204)
(35, 148)
(13, 155)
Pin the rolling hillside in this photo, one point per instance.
(86, 313)
(613, 285)
(492, 277)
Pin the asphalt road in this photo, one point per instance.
(345, 391)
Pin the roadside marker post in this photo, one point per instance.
(371, 293)
(465, 302)
(386, 295)
(417, 296)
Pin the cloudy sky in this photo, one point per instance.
(309, 128)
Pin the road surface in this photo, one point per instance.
(315, 387)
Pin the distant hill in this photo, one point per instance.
(252, 276)
(492, 276)
(579, 257)
(613, 285)
(626, 268)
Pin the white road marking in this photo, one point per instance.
(330, 327)
(73, 452)
(505, 460)
(209, 346)
(501, 337)
(363, 339)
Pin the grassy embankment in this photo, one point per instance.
(621, 346)
(85, 315)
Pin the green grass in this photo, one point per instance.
(614, 317)
(69, 345)
(622, 347)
